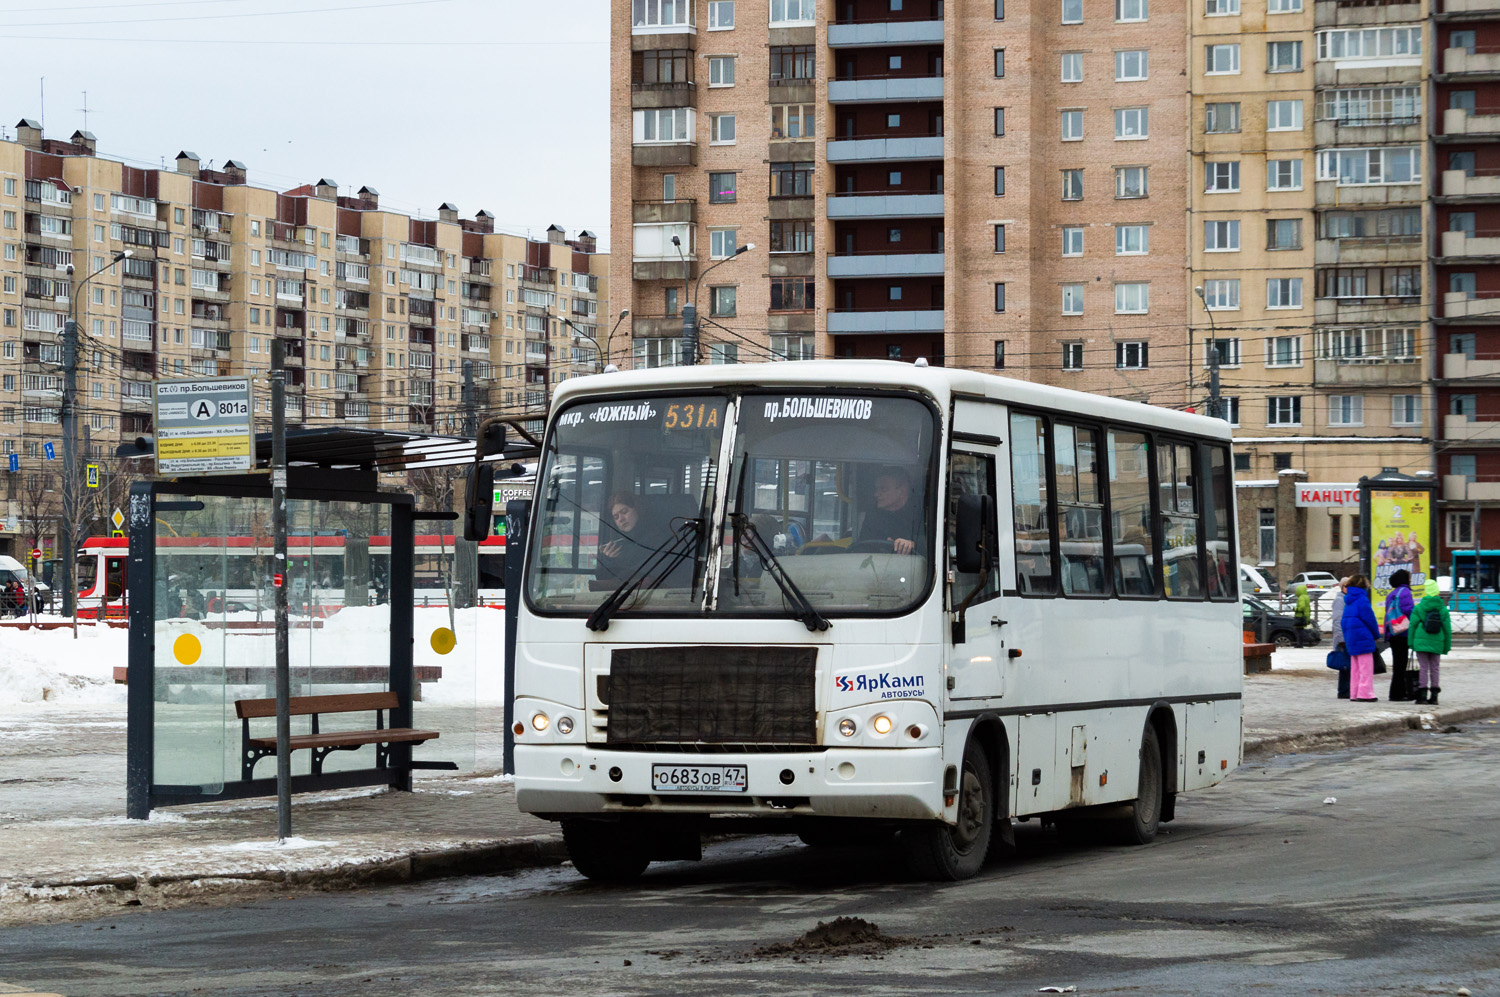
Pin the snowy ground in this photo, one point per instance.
(50, 666)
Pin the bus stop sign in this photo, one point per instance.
(204, 426)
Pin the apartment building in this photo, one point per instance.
(384, 318)
(982, 184)
(1465, 245)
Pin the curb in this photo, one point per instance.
(1361, 733)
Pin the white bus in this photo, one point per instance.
(847, 598)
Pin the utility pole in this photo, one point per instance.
(1215, 403)
(280, 580)
(1478, 589)
(66, 553)
(471, 425)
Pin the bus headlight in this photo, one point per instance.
(565, 725)
(881, 724)
(847, 727)
(539, 722)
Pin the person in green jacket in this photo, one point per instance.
(1302, 615)
(1431, 633)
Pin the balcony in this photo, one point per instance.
(1462, 366)
(671, 270)
(1480, 122)
(682, 211)
(886, 265)
(875, 34)
(892, 205)
(663, 95)
(1461, 305)
(1458, 488)
(665, 154)
(884, 89)
(1459, 245)
(1461, 427)
(1458, 183)
(881, 150)
(1466, 9)
(1376, 250)
(884, 322)
(1484, 60)
(1368, 371)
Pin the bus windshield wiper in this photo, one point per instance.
(674, 548)
(802, 606)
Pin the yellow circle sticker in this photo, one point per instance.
(443, 640)
(187, 649)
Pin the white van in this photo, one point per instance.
(12, 570)
(1252, 582)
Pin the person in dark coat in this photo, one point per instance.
(1398, 607)
(895, 518)
(630, 541)
(1361, 631)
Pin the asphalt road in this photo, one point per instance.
(1260, 887)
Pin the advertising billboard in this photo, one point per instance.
(1400, 538)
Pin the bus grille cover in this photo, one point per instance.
(715, 695)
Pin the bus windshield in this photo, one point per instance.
(837, 489)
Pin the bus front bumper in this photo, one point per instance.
(901, 783)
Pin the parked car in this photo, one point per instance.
(1315, 580)
(1252, 582)
(13, 571)
(1279, 627)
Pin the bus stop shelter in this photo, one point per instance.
(200, 587)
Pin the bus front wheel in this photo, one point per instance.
(604, 851)
(948, 852)
(1140, 827)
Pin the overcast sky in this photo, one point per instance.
(498, 104)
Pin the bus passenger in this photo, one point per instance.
(895, 517)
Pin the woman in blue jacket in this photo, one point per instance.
(1360, 634)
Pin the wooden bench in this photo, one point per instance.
(253, 749)
(1258, 658)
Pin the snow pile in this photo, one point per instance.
(50, 666)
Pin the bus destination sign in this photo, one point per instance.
(204, 426)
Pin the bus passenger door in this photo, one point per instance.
(975, 666)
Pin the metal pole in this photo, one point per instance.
(1478, 589)
(278, 528)
(70, 458)
(689, 335)
(471, 426)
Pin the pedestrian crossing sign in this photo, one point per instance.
(92, 472)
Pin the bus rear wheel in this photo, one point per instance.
(1140, 827)
(948, 852)
(607, 852)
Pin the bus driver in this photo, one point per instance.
(895, 518)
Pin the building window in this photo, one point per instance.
(791, 236)
(1072, 299)
(1284, 351)
(1284, 174)
(1130, 65)
(792, 347)
(721, 129)
(999, 121)
(1406, 410)
(1283, 57)
(793, 63)
(784, 12)
(1242, 462)
(1072, 11)
(1072, 356)
(672, 66)
(792, 121)
(999, 10)
(1283, 6)
(999, 354)
(1284, 410)
(999, 63)
(1072, 67)
(722, 243)
(1130, 10)
(1221, 177)
(1072, 185)
(1227, 350)
(1284, 292)
(722, 188)
(1219, 60)
(1222, 294)
(1072, 126)
(1346, 410)
(999, 181)
(1072, 241)
(1460, 529)
(791, 179)
(662, 14)
(663, 125)
(1370, 43)
(1221, 236)
(1221, 8)
(721, 71)
(1283, 233)
(720, 15)
(1229, 409)
(999, 297)
(1268, 535)
(1130, 124)
(1130, 182)
(792, 294)
(1132, 299)
(1284, 116)
(1132, 354)
(999, 238)
(1221, 117)
(1371, 106)
(1356, 167)
(1281, 461)
(722, 301)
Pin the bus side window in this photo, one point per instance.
(1130, 514)
(1218, 495)
(1182, 577)
(1080, 509)
(1035, 571)
(970, 474)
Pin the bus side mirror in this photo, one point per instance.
(973, 534)
(479, 502)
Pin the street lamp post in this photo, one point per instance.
(585, 335)
(608, 359)
(1215, 406)
(690, 327)
(70, 436)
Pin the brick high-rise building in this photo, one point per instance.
(983, 184)
(380, 313)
